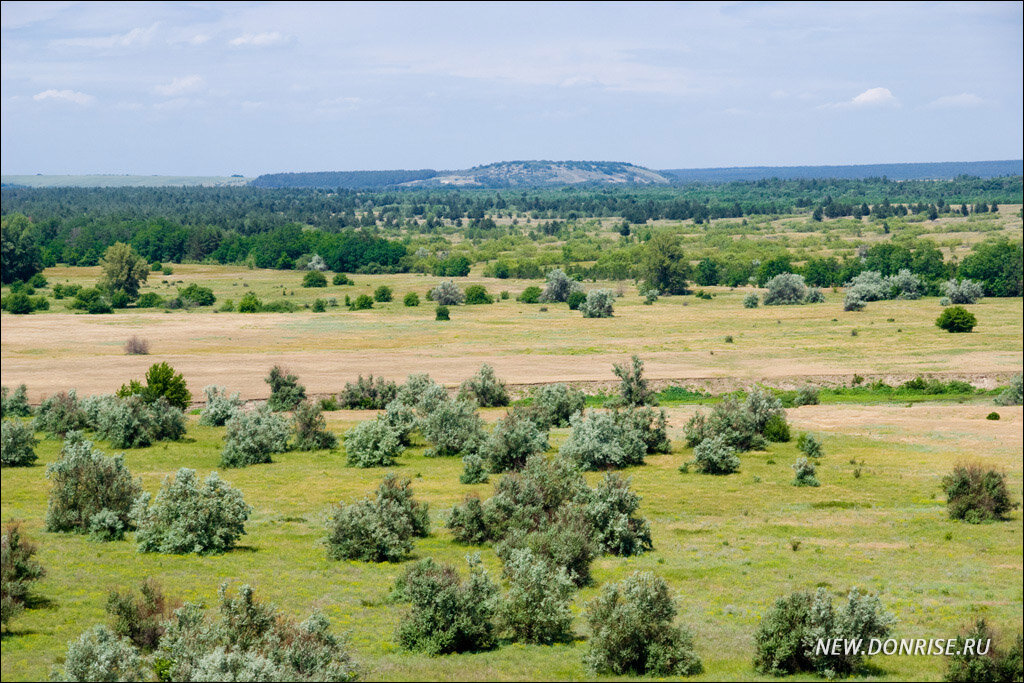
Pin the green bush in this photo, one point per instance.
(632, 631)
(149, 300)
(17, 444)
(963, 291)
(382, 294)
(100, 655)
(373, 443)
(785, 289)
(598, 304)
(776, 429)
(411, 299)
(786, 639)
(362, 302)
(956, 319)
(485, 388)
(314, 278)
(976, 495)
(197, 295)
(15, 404)
(250, 303)
(401, 419)
(566, 540)
(447, 294)
(576, 299)
(967, 666)
(598, 441)
(468, 522)
(992, 416)
(161, 382)
(559, 286)
(453, 428)
(253, 436)
(220, 407)
(341, 279)
(84, 482)
(105, 526)
(473, 469)
(310, 429)
(805, 472)
(441, 313)
(634, 389)
(651, 425)
(514, 439)
(141, 619)
(132, 423)
(379, 529)
(18, 303)
(806, 396)
(741, 425)
(368, 394)
(530, 295)
(285, 391)
(477, 294)
(554, 405)
(536, 607)
(59, 414)
(714, 455)
(611, 509)
(17, 570)
(447, 615)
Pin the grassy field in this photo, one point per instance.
(724, 543)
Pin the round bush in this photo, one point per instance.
(750, 300)
(382, 294)
(447, 294)
(100, 655)
(598, 304)
(314, 278)
(477, 294)
(805, 472)
(597, 441)
(411, 299)
(373, 443)
(441, 313)
(785, 288)
(956, 319)
(536, 607)
(976, 495)
(220, 407)
(714, 456)
(17, 444)
(253, 436)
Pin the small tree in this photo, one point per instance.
(17, 570)
(123, 270)
(453, 427)
(554, 405)
(559, 286)
(785, 289)
(485, 388)
(15, 404)
(632, 631)
(101, 655)
(598, 441)
(805, 472)
(310, 429)
(447, 294)
(85, 482)
(189, 517)
(253, 436)
(633, 387)
(17, 444)
(513, 440)
(976, 495)
(161, 382)
(285, 391)
(373, 443)
(536, 607)
(220, 407)
(598, 304)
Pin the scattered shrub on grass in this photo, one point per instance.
(17, 444)
(189, 517)
(805, 472)
(341, 279)
(904, 285)
(411, 299)
(566, 540)
(485, 388)
(806, 396)
(632, 631)
(401, 419)
(253, 436)
(776, 429)
(714, 455)
(970, 665)
(84, 482)
(136, 346)
(634, 389)
(250, 303)
(382, 294)
(956, 319)
(650, 424)
(101, 655)
(197, 295)
(161, 382)
(285, 391)
(474, 470)
(559, 286)
(730, 420)
(422, 394)
(750, 300)
(854, 301)
(536, 607)
(992, 416)
(132, 423)
(105, 526)
(513, 440)
(310, 429)
(15, 404)
(378, 529)
(576, 299)
(611, 510)
(787, 637)
(17, 570)
(314, 278)
(477, 294)
(59, 414)
(962, 292)
(810, 445)
(149, 300)
(976, 495)
(368, 394)
(453, 427)
(441, 313)
(363, 302)
(219, 406)
(373, 443)
(447, 614)
(468, 522)
(554, 405)
(598, 440)
(1012, 395)
(785, 289)
(762, 407)
(530, 295)
(447, 294)
(814, 296)
(598, 304)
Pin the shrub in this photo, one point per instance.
(554, 405)
(18, 303)
(853, 301)
(362, 302)
(963, 292)
(513, 440)
(382, 294)
(447, 294)
(869, 286)
(411, 299)
(473, 469)
(468, 522)
(610, 510)
(945, 301)
(188, 517)
(651, 425)
(477, 294)
(530, 295)
(422, 394)
(598, 441)
(814, 296)
(401, 419)
(17, 570)
(786, 639)
(341, 279)
(559, 286)
(252, 437)
(219, 406)
(762, 406)
(992, 416)
(485, 388)
(136, 346)
(976, 495)
(15, 404)
(453, 427)
(714, 455)
(968, 665)
(956, 319)
(59, 414)
(250, 303)
(632, 631)
(131, 423)
(311, 429)
(806, 396)
(536, 607)
(285, 391)
(161, 382)
(314, 278)
(633, 387)
(805, 472)
(373, 443)
(1012, 395)
(776, 429)
(368, 394)
(17, 444)
(785, 289)
(84, 482)
(447, 614)
(810, 445)
(566, 540)
(441, 313)
(729, 420)
(598, 304)
(100, 655)
(576, 299)
(197, 295)
(750, 300)
(379, 529)
(105, 526)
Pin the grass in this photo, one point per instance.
(723, 543)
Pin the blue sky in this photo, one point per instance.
(199, 88)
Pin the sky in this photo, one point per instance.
(196, 88)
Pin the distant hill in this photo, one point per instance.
(98, 180)
(944, 170)
(546, 174)
(346, 180)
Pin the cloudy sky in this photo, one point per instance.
(199, 88)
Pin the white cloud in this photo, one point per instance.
(874, 97)
(268, 39)
(72, 96)
(136, 36)
(962, 101)
(180, 86)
